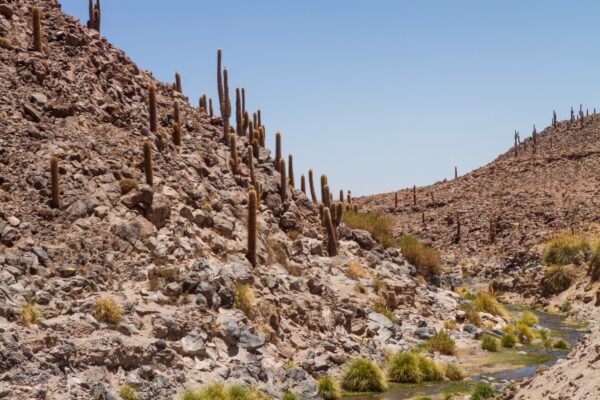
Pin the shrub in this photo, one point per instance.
(355, 271)
(218, 391)
(30, 314)
(454, 373)
(289, 364)
(528, 318)
(126, 392)
(404, 367)
(566, 306)
(508, 340)
(380, 308)
(328, 389)
(441, 342)
(563, 249)
(486, 302)
(482, 391)
(472, 316)
(378, 284)
(361, 375)
(450, 324)
(558, 278)
(524, 333)
(289, 396)
(595, 261)
(106, 310)
(127, 185)
(378, 225)
(489, 343)
(424, 258)
(244, 299)
(561, 344)
(431, 371)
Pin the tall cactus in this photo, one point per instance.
(311, 183)
(176, 134)
(455, 172)
(415, 195)
(252, 226)
(291, 170)
(178, 82)
(331, 239)
(277, 148)
(324, 194)
(457, 227)
(342, 197)
(37, 29)
(302, 184)
(152, 109)
(226, 107)
(245, 124)
(243, 101)
(211, 111)
(234, 162)
(283, 182)
(554, 120)
(219, 81)
(238, 112)
(176, 113)
(250, 156)
(148, 162)
(54, 182)
(262, 134)
(255, 148)
(396, 200)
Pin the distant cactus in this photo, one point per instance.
(178, 82)
(94, 15)
(219, 81)
(202, 104)
(252, 226)
(211, 112)
(226, 106)
(338, 211)
(256, 149)
(255, 119)
(238, 112)
(324, 194)
(37, 29)
(262, 136)
(259, 120)
(245, 125)
(252, 133)
(455, 172)
(54, 182)
(396, 200)
(349, 200)
(311, 183)
(250, 156)
(572, 116)
(152, 109)
(234, 162)
(457, 227)
(302, 184)
(148, 162)
(342, 197)
(291, 170)
(277, 148)
(176, 134)
(423, 217)
(243, 101)
(415, 195)
(331, 239)
(176, 113)
(283, 182)
(554, 120)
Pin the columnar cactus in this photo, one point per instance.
(291, 170)
(262, 136)
(238, 112)
(311, 183)
(54, 182)
(302, 184)
(324, 194)
(255, 119)
(234, 162)
(423, 217)
(251, 131)
(252, 226)
(283, 182)
(455, 172)
(152, 109)
(259, 120)
(396, 200)
(176, 134)
(243, 101)
(554, 120)
(331, 239)
(219, 81)
(342, 197)
(245, 124)
(415, 195)
(176, 113)
(211, 112)
(255, 148)
(148, 162)
(37, 29)
(277, 148)
(572, 116)
(250, 156)
(457, 227)
(178, 82)
(94, 15)
(226, 106)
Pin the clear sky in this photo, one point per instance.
(378, 94)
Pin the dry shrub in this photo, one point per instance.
(355, 271)
(426, 259)
(378, 225)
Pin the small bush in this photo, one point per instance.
(441, 342)
(425, 259)
(328, 389)
(431, 371)
(355, 271)
(218, 391)
(524, 333)
(489, 343)
(482, 391)
(472, 316)
(289, 396)
(561, 344)
(361, 375)
(562, 250)
(378, 284)
(126, 392)
(450, 324)
(380, 308)
(528, 318)
(106, 310)
(558, 278)
(289, 364)
(454, 373)
(594, 262)
(486, 302)
(30, 314)
(127, 185)
(244, 299)
(378, 225)
(404, 367)
(566, 306)
(508, 340)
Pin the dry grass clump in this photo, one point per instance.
(30, 314)
(563, 249)
(127, 185)
(441, 342)
(380, 308)
(218, 391)
(378, 225)
(106, 310)
(378, 284)
(328, 388)
(126, 392)
(454, 372)
(355, 271)
(558, 278)
(158, 277)
(594, 262)
(244, 299)
(489, 343)
(450, 324)
(362, 375)
(528, 318)
(426, 259)
(408, 367)
(486, 302)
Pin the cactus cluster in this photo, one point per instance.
(37, 29)
(94, 15)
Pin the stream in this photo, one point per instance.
(553, 322)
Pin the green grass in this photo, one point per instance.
(425, 259)
(558, 278)
(595, 261)
(512, 357)
(563, 249)
(441, 342)
(378, 225)
(454, 372)
(528, 318)
(489, 343)
(126, 392)
(289, 396)
(486, 302)
(328, 389)
(362, 375)
(524, 333)
(508, 340)
(561, 344)
(403, 367)
(382, 309)
(218, 391)
(482, 391)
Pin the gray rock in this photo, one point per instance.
(424, 333)
(252, 341)
(363, 238)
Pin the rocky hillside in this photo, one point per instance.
(506, 208)
(183, 305)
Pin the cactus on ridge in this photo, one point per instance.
(311, 183)
(291, 170)
(331, 239)
(152, 109)
(283, 182)
(178, 82)
(148, 162)
(176, 134)
(226, 107)
(277, 148)
(37, 29)
(234, 162)
(252, 226)
(302, 184)
(54, 182)
(238, 112)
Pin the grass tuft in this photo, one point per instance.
(595, 261)
(482, 391)
(441, 342)
(30, 314)
(528, 318)
(244, 299)
(328, 389)
(454, 372)
(426, 259)
(508, 340)
(403, 367)
(362, 375)
(289, 396)
(127, 185)
(126, 392)
(558, 278)
(378, 225)
(561, 344)
(106, 310)
(563, 249)
(486, 302)
(489, 343)
(355, 271)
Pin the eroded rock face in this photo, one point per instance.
(171, 256)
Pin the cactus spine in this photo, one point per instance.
(234, 162)
(148, 162)
(178, 82)
(302, 184)
(37, 29)
(277, 148)
(54, 182)
(311, 182)
(291, 170)
(152, 109)
(331, 240)
(252, 226)
(283, 183)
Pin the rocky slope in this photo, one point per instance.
(172, 256)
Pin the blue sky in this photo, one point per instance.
(379, 94)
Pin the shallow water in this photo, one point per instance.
(548, 321)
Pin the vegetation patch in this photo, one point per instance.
(454, 372)
(563, 249)
(558, 278)
(355, 271)
(489, 343)
(127, 185)
(108, 311)
(244, 299)
(380, 308)
(528, 318)
(426, 259)
(515, 358)
(486, 302)
(482, 391)
(126, 392)
(30, 314)
(328, 389)
(218, 391)
(595, 261)
(508, 340)
(362, 375)
(441, 342)
(403, 367)
(378, 225)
